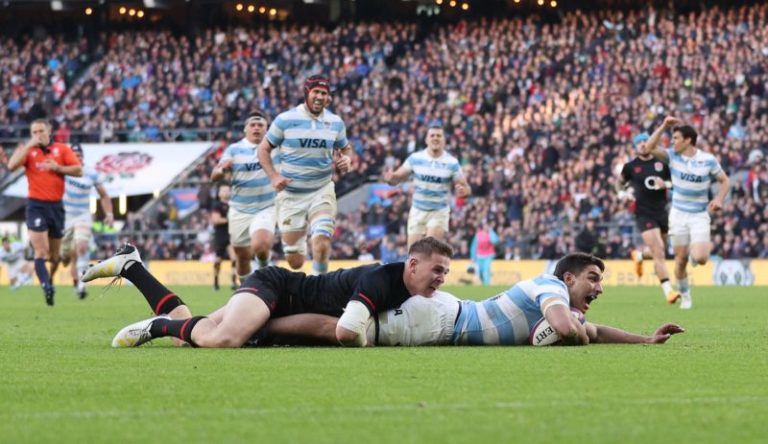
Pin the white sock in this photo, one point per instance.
(682, 285)
(667, 287)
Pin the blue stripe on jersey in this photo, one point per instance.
(306, 145)
(251, 188)
(303, 176)
(691, 179)
(433, 179)
(692, 193)
(502, 323)
(77, 193)
(306, 161)
(475, 335)
(253, 183)
(528, 306)
(426, 205)
(427, 192)
(72, 195)
(257, 198)
(689, 207)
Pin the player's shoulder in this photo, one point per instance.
(705, 156)
(60, 145)
(382, 272)
(238, 145)
(290, 114)
(330, 116)
(449, 158)
(545, 283)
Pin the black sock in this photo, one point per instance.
(216, 280)
(181, 328)
(158, 296)
(664, 280)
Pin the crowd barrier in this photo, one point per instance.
(618, 272)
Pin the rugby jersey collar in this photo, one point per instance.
(320, 118)
(245, 141)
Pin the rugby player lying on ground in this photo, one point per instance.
(509, 318)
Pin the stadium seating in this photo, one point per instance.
(540, 114)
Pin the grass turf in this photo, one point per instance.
(61, 382)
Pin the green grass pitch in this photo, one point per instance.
(61, 382)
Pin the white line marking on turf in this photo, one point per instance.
(424, 405)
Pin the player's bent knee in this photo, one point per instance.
(295, 261)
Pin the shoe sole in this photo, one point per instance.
(673, 300)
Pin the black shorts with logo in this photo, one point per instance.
(287, 292)
(46, 216)
(647, 222)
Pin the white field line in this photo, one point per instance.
(408, 407)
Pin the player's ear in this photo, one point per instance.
(412, 262)
(569, 278)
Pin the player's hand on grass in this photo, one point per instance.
(280, 182)
(665, 332)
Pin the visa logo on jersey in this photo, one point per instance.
(313, 143)
(253, 166)
(691, 178)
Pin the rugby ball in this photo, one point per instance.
(543, 334)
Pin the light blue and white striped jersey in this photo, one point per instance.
(433, 179)
(691, 179)
(77, 193)
(306, 146)
(509, 317)
(14, 255)
(251, 188)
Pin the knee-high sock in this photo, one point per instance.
(42, 272)
(181, 328)
(160, 299)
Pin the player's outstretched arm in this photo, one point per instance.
(603, 334)
(397, 176)
(219, 170)
(653, 142)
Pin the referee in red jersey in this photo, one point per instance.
(45, 164)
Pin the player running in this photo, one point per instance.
(693, 172)
(78, 221)
(251, 214)
(19, 269)
(648, 177)
(435, 172)
(311, 140)
(221, 246)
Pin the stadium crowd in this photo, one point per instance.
(540, 114)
